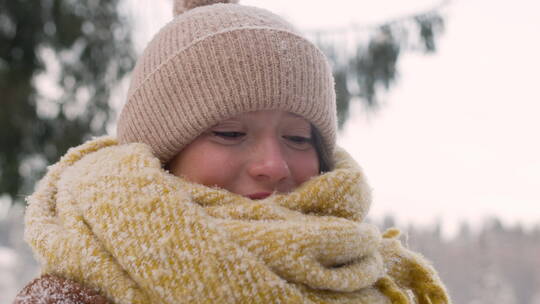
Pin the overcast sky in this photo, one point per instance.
(458, 136)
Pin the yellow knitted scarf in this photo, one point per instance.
(110, 217)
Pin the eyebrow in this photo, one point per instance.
(226, 122)
(301, 119)
(296, 115)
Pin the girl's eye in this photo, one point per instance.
(299, 141)
(232, 135)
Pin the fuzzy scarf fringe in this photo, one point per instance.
(108, 216)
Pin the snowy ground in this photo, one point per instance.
(8, 265)
(17, 265)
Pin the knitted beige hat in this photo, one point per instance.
(216, 60)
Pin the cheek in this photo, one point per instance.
(212, 173)
(304, 167)
(203, 165)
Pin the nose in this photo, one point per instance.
(269, 164)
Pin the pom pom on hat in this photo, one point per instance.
(180, 6)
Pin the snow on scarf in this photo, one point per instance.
(110, 217)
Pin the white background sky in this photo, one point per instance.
(458, 136)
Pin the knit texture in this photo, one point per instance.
(108, 216)
(214, 62)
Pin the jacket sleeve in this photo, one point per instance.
(49, 289)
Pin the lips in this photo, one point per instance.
(259, 195)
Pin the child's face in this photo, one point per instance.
(252, 154)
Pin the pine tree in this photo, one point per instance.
(84, 48)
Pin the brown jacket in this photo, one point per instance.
(50, 289)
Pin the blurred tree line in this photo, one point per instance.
(493, 264)
(61, 60)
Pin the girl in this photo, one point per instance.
(224, 184)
